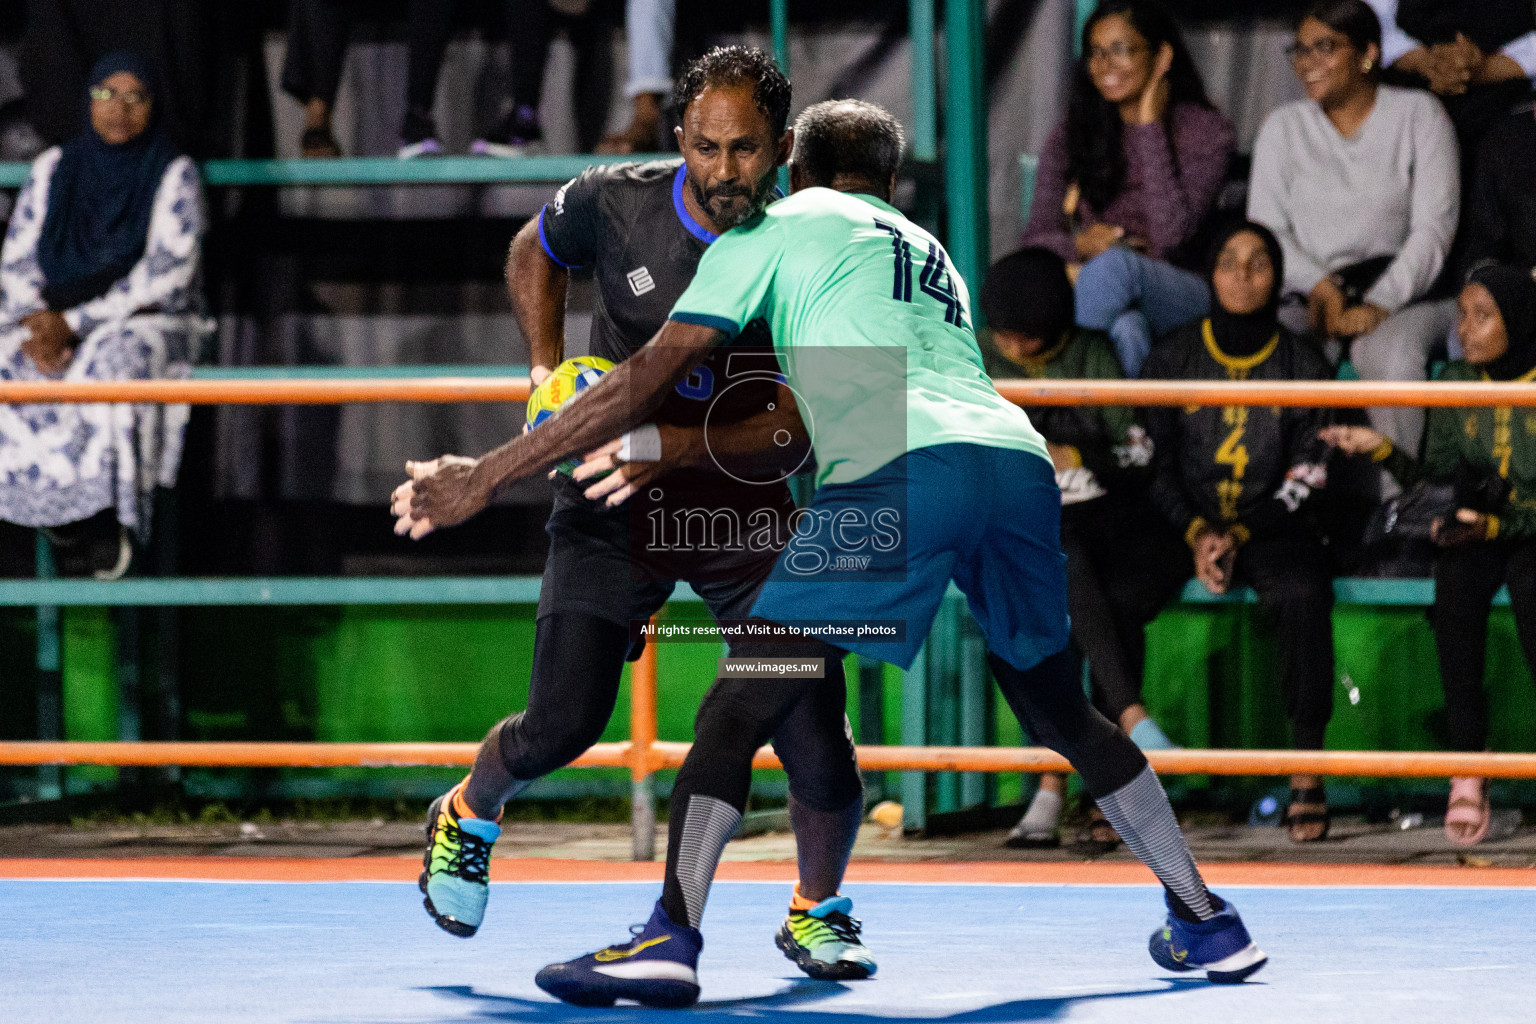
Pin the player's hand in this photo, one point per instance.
(538, 374)
(625, 479)
(1351, 440)
(1210, 554)
(439, 493)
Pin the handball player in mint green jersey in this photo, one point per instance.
(924, 476)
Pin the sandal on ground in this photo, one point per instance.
(1101, 837)
(319, 142)
(1468, 813)
(1312, 796)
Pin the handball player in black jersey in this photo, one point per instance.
(694, 513)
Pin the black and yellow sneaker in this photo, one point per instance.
(456, 869)
(824, 942)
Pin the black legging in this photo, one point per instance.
(1121, 571)
(739, 715)
(1466, 579)
(577, 662)
(318, 31)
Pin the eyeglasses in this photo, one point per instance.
(1257, 264)
(1325, 48)
(1119, 52)
(127, 97)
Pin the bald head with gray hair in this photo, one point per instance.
(848, 145)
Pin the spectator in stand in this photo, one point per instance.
(1501, 210)
(1236, 479)
(1490, 454)
(318, 31)
(1457, 47)
(1128, 177)
(1360, 183)
(1477, 57)
(1120, 570)
(648, 30)
(532, 26)
(99, 281)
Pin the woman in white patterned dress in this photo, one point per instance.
(99, 280)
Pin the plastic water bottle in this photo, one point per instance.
(1266, 812)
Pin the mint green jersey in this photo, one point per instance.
(871, 327)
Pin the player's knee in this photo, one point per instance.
(829, 790)
(531, 749)
(1107, 759)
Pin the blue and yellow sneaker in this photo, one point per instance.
(1221, 947)
(456, 869)
(657, 967)
(824, 942)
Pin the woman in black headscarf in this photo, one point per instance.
(98, 280)
(1489, 539)
(1234, 479)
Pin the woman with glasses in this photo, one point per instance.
(1360, 183)
(99, 281)
(1127, 178)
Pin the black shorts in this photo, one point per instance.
(600, 562)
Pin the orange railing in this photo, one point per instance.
(1333, 394)
(643, 755)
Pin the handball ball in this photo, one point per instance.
(563, 386)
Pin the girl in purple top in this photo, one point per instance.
(1129, 175)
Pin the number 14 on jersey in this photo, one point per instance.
(933, 280)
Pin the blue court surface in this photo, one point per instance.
(165, 952)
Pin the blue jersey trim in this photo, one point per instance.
(544, 243)
(695, 229)
(719, 323)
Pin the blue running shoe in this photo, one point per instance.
(1220, 947)
(657, 967)
(456, 869)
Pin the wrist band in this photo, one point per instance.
(643, 444)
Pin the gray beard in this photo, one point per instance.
(759, 200)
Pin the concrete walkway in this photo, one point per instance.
(1352, 841)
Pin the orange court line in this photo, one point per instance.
(536, 869)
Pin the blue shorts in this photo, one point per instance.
(884, 548)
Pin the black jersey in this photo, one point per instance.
(1234, 464)
(627, 224)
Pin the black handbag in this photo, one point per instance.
(1358, 278)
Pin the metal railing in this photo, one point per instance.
(643, 754)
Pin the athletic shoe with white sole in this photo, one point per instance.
(657, 967)
(1221, 947)
(456, 869)
(824, 942)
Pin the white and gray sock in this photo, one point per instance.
(1140, 812)
(708, 826)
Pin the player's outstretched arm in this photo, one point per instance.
(626, 397)
(773, 443)
(537, 286)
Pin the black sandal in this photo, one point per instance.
(1100, 837)
(1310, 795)
(318, 143)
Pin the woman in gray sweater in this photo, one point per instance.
(1360, 182)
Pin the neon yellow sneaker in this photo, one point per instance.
(824, 942)
(456, 869)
